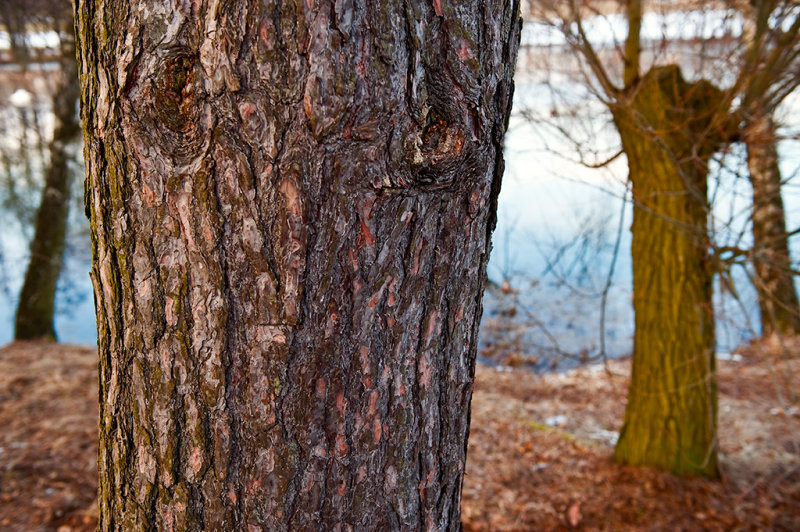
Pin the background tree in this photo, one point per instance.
(770, 72)
(291, 206)
(669, 129)
(37, 298)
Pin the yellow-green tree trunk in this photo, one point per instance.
(668, 132)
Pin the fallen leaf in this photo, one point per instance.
(574, 514)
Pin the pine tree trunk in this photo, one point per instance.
(37, 298)
(774, 282)
(291, 205)
(668, 134)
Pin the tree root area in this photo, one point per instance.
(539, 451)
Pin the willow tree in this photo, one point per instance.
(291, 207)
(669, 131)
(669, 128)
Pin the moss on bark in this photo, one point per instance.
(668, 132)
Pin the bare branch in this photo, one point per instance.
(581, 42)
(633, 45)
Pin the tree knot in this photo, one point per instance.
(174, 95)
(438, 156)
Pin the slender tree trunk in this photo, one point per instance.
(668, 135)
(37, 298)
(291, 205)
(774, 281)
(12, 17)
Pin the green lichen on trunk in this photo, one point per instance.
(669, 129)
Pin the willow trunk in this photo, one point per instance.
(668, 133)
(774, 278)
(291, 206)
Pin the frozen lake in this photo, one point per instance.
(559, 224)
(25, 124)
(560, 221)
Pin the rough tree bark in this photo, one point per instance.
(37, 298)
(291, 206)
(668, 132)
(772, 264)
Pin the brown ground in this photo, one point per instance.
(521, 474)
(48, 437)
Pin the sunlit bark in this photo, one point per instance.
(668, 133)
(774, 279)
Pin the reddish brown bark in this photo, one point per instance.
(291, 206)
(774, 279)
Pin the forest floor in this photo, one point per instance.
(539, 451)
